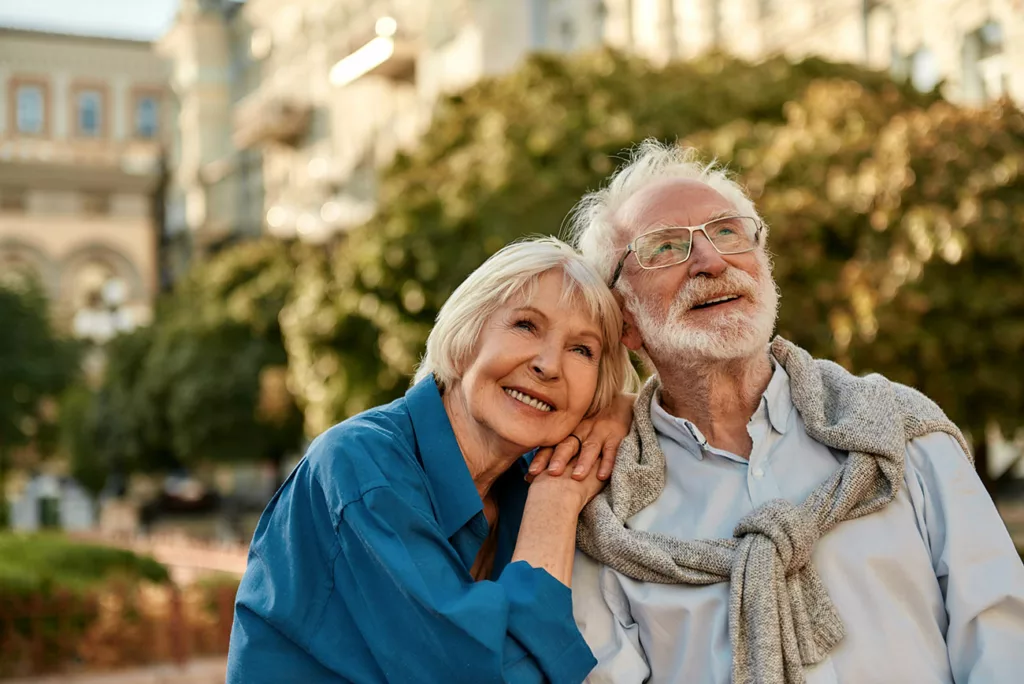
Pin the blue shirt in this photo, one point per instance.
(359, 570)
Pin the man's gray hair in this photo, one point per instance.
(597, 220)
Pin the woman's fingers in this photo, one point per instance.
(564, 451)
(609, 429)
(608, 454)
(588, 455)
(540, 461)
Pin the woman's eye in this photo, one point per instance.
(584, 350)
(524, 324)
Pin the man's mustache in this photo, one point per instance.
(733, 281)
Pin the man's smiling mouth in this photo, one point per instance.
(528, 400)
(716, 301)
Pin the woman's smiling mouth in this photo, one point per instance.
(528, 400)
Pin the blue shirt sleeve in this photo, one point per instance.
(978, 569)
(424, 616)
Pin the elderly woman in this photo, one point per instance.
(407, 546)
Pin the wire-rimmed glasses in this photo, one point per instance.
(672, 245)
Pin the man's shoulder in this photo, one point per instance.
(937, 453)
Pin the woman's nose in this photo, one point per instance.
(545, 365)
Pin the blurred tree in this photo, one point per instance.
(897, 245)
(36, 364)
(506, 158)
(205, 383)
(219, 357)
(121, 426)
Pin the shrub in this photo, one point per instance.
(45, 563)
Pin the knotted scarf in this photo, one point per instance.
(781, 618)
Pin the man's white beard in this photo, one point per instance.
(725, 336)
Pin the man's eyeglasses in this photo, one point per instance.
(670, 246)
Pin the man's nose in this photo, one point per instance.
(704, 258)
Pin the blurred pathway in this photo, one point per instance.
(199, 671)
(186, 559)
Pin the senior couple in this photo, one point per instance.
(768, 517)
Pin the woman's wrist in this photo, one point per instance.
(557, 497)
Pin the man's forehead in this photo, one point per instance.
(674, 201)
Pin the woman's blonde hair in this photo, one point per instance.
(515, 270)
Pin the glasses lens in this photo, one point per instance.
(733, 234)
(663, 248)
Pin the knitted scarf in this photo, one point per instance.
(780, 615)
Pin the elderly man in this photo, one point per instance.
(771, 517)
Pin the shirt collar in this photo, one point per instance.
(455, 494)
(776, 398)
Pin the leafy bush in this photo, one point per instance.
(45, 563)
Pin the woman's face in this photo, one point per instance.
(535, 370)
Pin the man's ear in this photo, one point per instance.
(630, 333)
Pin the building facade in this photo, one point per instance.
(288, 109)
(975, 48)
(81, 122)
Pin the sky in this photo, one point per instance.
(137, 19)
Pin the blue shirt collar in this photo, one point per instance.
(456, 495)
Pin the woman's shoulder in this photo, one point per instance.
(372, 449)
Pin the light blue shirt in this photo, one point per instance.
(930, 588)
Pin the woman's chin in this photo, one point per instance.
(523, 440)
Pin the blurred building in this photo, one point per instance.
(81, 120)
(287, 109)
(976, 47)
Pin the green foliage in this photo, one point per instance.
(217, 351)
(200, 385)
(44, 563)
(506, 158)
(36, 364)
(895, 230)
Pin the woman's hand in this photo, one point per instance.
(599, 437)
(561, 488)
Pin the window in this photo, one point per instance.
(89, 113)
(568, 33)
(924, 70)
(984, 66)
(539, 18)
(31, 109)
(147, 116)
